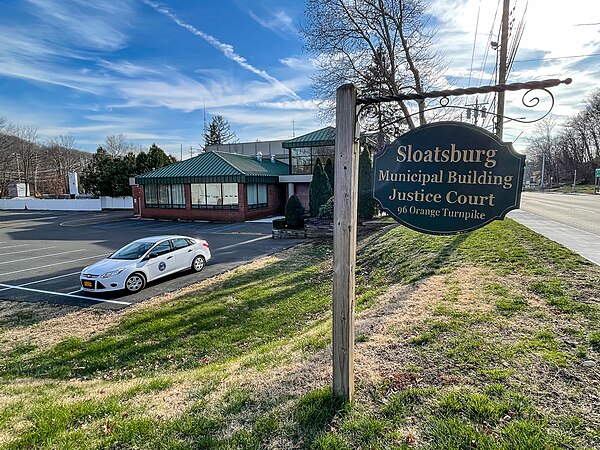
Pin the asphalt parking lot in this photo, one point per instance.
(43, 252)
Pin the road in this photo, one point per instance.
(42, 253)
(572, 220)
(581, 211)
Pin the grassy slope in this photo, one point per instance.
(468, 341)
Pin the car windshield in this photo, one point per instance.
(135, 250)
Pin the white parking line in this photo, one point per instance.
(55, 264)
(242, 243)
(44, 280)
(121, 224)
(25, 251)
(223, 228)
(41, 256)
(14, 246)
(65, 295)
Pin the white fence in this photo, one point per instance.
(75, 204)
(116, 202)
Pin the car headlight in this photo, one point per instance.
(112, 273)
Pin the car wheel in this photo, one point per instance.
(135, 282)
(198, 263)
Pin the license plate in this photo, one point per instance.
(88, 284)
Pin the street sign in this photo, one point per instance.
(448, 178)
(597, 173)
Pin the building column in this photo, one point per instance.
(290, 189)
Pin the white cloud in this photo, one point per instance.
(227, 49)
(552, 30)
(278, 21)
(47, 73)
(81, 23)
(295, 105)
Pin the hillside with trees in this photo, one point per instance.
(25, 158)
(44, 164)
(562, 150)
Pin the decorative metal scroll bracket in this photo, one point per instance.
(444, 100)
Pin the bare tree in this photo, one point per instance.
(543, 151)
(61, 158)
(27, 152)
(384, 47)
(118, 145)
(8, 173)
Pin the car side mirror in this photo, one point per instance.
(152, 256)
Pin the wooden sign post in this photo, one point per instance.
(344, 240)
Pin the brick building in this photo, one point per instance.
(226, 186)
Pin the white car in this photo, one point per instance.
(144, 260)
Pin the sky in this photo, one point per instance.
(155, 71)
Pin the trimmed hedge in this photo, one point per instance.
(294, 212)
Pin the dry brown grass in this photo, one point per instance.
(385, 357)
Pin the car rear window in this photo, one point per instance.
(135, 250)
(180, 243)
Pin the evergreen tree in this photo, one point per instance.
(326, 211)
(218, 132)
(154, 159)
(319, 190)
(367, 207)
(294, 212)
(108, 174)
(330, 173)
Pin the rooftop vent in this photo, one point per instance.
(259, 156)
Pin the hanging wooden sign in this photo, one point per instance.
(448, 178)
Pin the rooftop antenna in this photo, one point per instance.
(293, 128)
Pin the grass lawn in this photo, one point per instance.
(580, 189)
(485, 340)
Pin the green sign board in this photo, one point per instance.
(597, 173)
(448, 178)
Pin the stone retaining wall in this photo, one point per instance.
(289, 234)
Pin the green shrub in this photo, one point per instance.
(279, 224)
(367, 206)
(294, 212)
(326, 210)
(330, 173)
(319, 190)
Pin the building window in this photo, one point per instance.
(214, 195)
(304, 159)
(164, 196)
(257, 195)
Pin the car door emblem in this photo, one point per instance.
(162, 266)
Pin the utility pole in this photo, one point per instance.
(502, 67)
(344, 240)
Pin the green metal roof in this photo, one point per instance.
(217, 167)
(319, 138)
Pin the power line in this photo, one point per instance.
(557, 57)
(474, 43)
